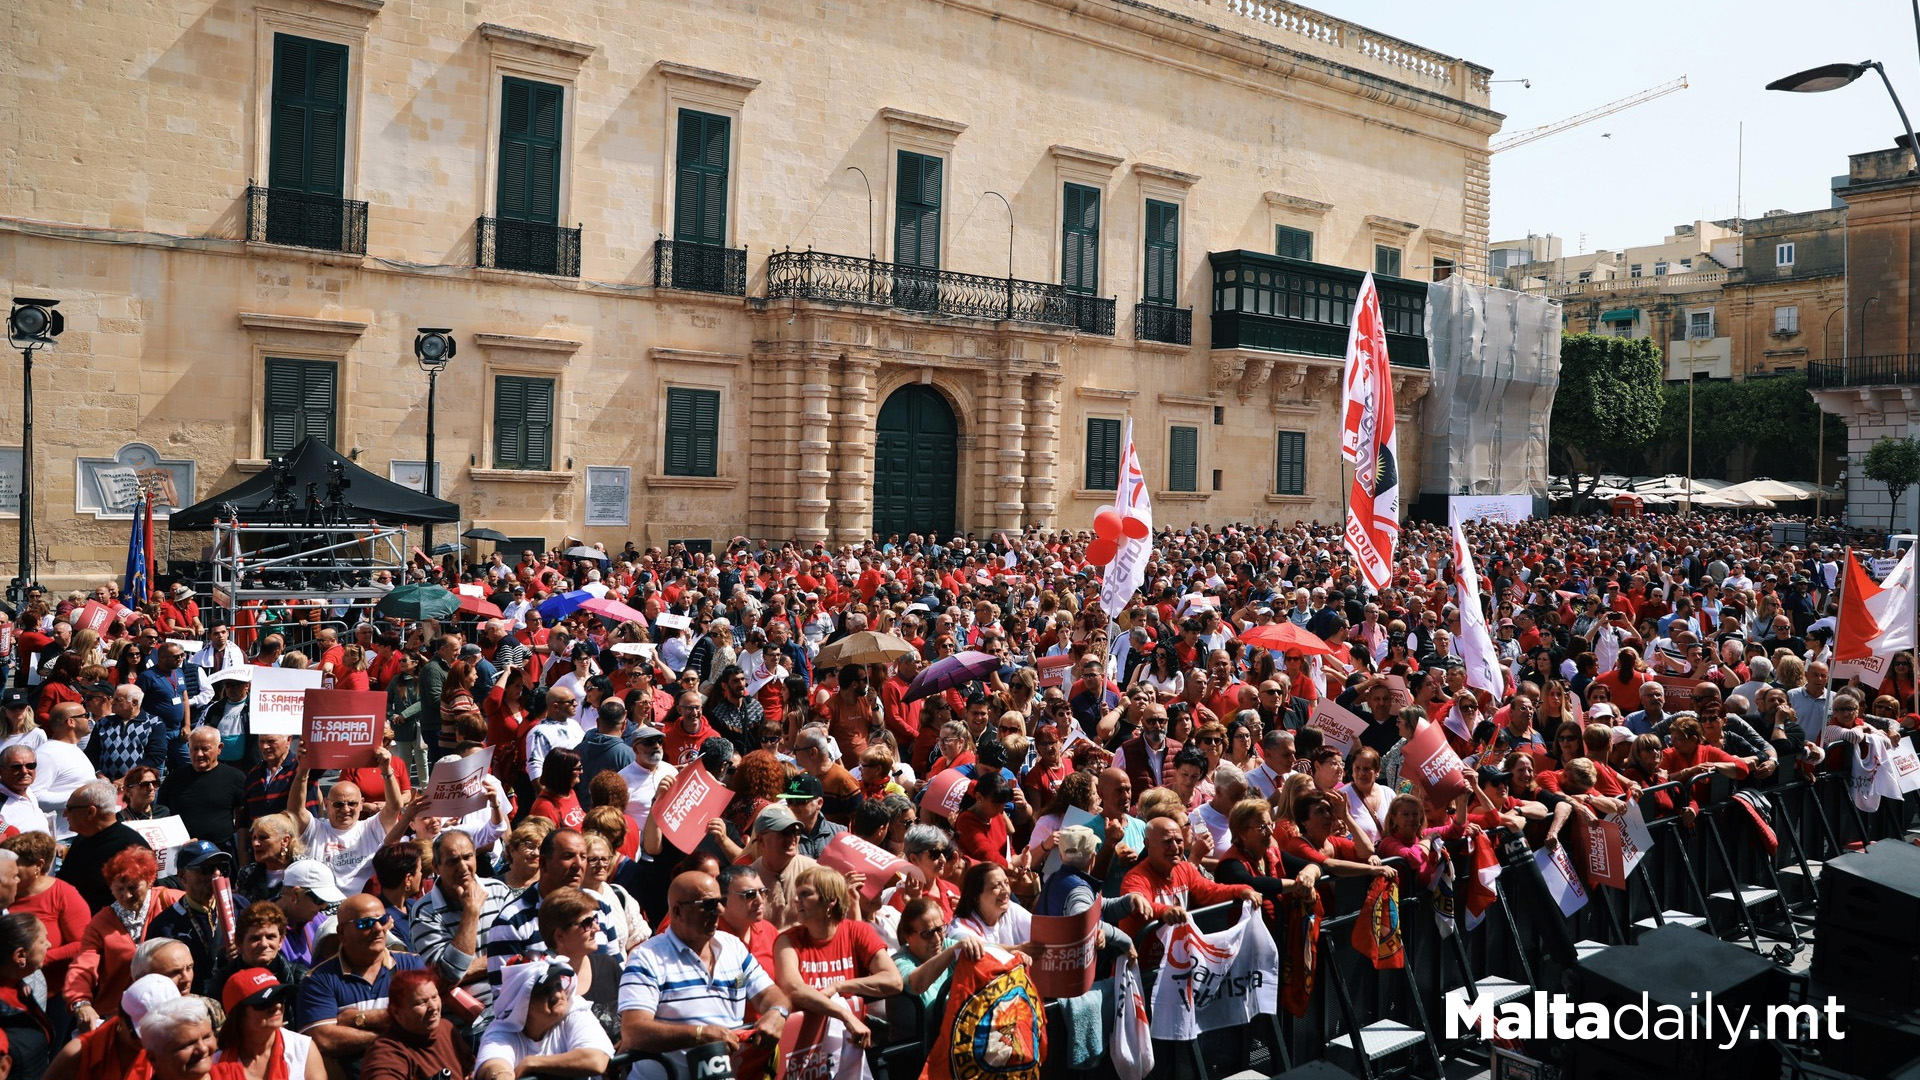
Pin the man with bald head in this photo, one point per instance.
(342, 1004)
(691, 984)
(341, 840)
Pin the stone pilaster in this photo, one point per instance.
(810, 510)
(986, 459)
(1010, 508)
(852, 515)
(1043, 451)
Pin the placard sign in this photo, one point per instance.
(697, 798)
(340, 729)
(1065, 966)
(1563, 882)
(1431, 758)
(673, 622)
(1679, 691)
(97, 617)
(945, 793)
(1905, 763)
(458, 785)
(1339, 728)
(1398, 696)
(850, 854)
(277, 699)
(166, 836)
(1053, 670)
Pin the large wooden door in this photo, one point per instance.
(915, 463)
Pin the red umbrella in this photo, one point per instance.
(473, 605)
(1285, 637)
(608, 608)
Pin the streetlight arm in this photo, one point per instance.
(1912, 147)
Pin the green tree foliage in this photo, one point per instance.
(1770, 423)
(1607, 406)
(1895, 463)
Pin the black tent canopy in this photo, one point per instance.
(367, 498)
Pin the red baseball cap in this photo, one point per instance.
(252, 986)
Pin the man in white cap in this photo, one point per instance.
(219, 655)
(113, 1048)
(226, 708)
(308, 894)
(776, 842)
(647, 773)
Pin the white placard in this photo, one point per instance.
(458, 786)
(673, 622)
(1563, 882)
(1339, 728)
(166, 836)
(1905, 763)
(1504, 508)
(192, 647)
(278, 698)
(609, 495)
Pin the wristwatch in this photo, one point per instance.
(782, 1010)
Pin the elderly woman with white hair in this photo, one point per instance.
(536, 1028)
(1073, 889)
(178, 1036)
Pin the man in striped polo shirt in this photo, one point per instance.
(516, 933)
(691, 984)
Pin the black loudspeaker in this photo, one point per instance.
(1877, 888)
(1868, 964)
(1677, 967)
(1315, 1070)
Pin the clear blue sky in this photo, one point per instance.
(1673, 160)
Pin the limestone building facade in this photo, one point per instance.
(809, 269)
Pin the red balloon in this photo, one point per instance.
(1135, 528)
(1102, 550)
(1108, 524)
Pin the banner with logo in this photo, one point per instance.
(1905, 763)
(1066, 963)
(97, 617)
(1054, 671)
(458, 785)
(1338, 728)
(995, 1023)
(850, 854)
(1369, 442)
(166, 836)
(814, 1047)
(945, 793)
(1212, 981)
(341, 729)
(1679, 691)
(1563, 881)
(277, 699)
(1131, 1045)
(697, 798)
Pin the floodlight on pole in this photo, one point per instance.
(32, 324)
(1834, 76)
(432, 348)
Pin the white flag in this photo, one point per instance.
(1128, 570)
(1897, 616)
(1475, 644)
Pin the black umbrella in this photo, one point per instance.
(494, 535)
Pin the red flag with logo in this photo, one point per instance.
(1368, 442)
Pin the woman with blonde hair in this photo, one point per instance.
(832, 963)
(523, 855)
(275, 843)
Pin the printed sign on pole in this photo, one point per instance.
(1339, 728)
(340, 729)
(697, 799)
(277, 698)
(850, 854)
(166, 836)
(1053, 670)
(458, 785)
(1066, 963)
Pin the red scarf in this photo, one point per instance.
(226, 1068)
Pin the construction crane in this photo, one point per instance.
(1522, 138)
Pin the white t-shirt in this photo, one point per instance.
(578, 1030)
(642, 788)
(1216, 823)
(349, 854)
(549, 735)
(63, 767)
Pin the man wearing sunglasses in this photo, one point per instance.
(744, 913)
(342, 1004)
(18, 766)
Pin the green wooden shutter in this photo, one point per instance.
(916, 218)
(1290, 470)
(307, 147)
(1183, 459)
(301, 402)
(530, 129)
(1292, 243)
(700, 185)
(1080, 239)
(1103, 453)
(1386, 260)
(522, 423)
(1163, 253)
(693, 432)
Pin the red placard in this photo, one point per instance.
(342, 728)
(1053, 670)
(1065, 965)
(1602, 853)
(849, 854)
(95, 616)
(697, 798)
(1429, 757)
(1679, 691)
(944, 794)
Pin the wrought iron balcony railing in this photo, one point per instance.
(682, 264)
(1291, 305)
(850, 279)
(1158, 322)
(1897, 369)
(529, 246)
(301, 219)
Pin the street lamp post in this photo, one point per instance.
(1690, 382)
(1820, 418)
(432, 348)
(31, 325)
(1009, 206)
(1834, 76)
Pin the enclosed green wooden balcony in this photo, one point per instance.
(1293, 306)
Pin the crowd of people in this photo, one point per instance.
(1146, 761)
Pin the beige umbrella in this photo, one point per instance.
(865, 647)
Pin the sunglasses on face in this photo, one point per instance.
(934, 933)
(707, 906)
(369, 922)
(751, 894)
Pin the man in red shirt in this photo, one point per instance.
(902, 716)
(744, 915)
(850, 715)
(980, 830)
(688, 731)
(1170, 884)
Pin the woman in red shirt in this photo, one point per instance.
(832, 963)
(1690, 758)
(558, 801)
(1315, 817)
